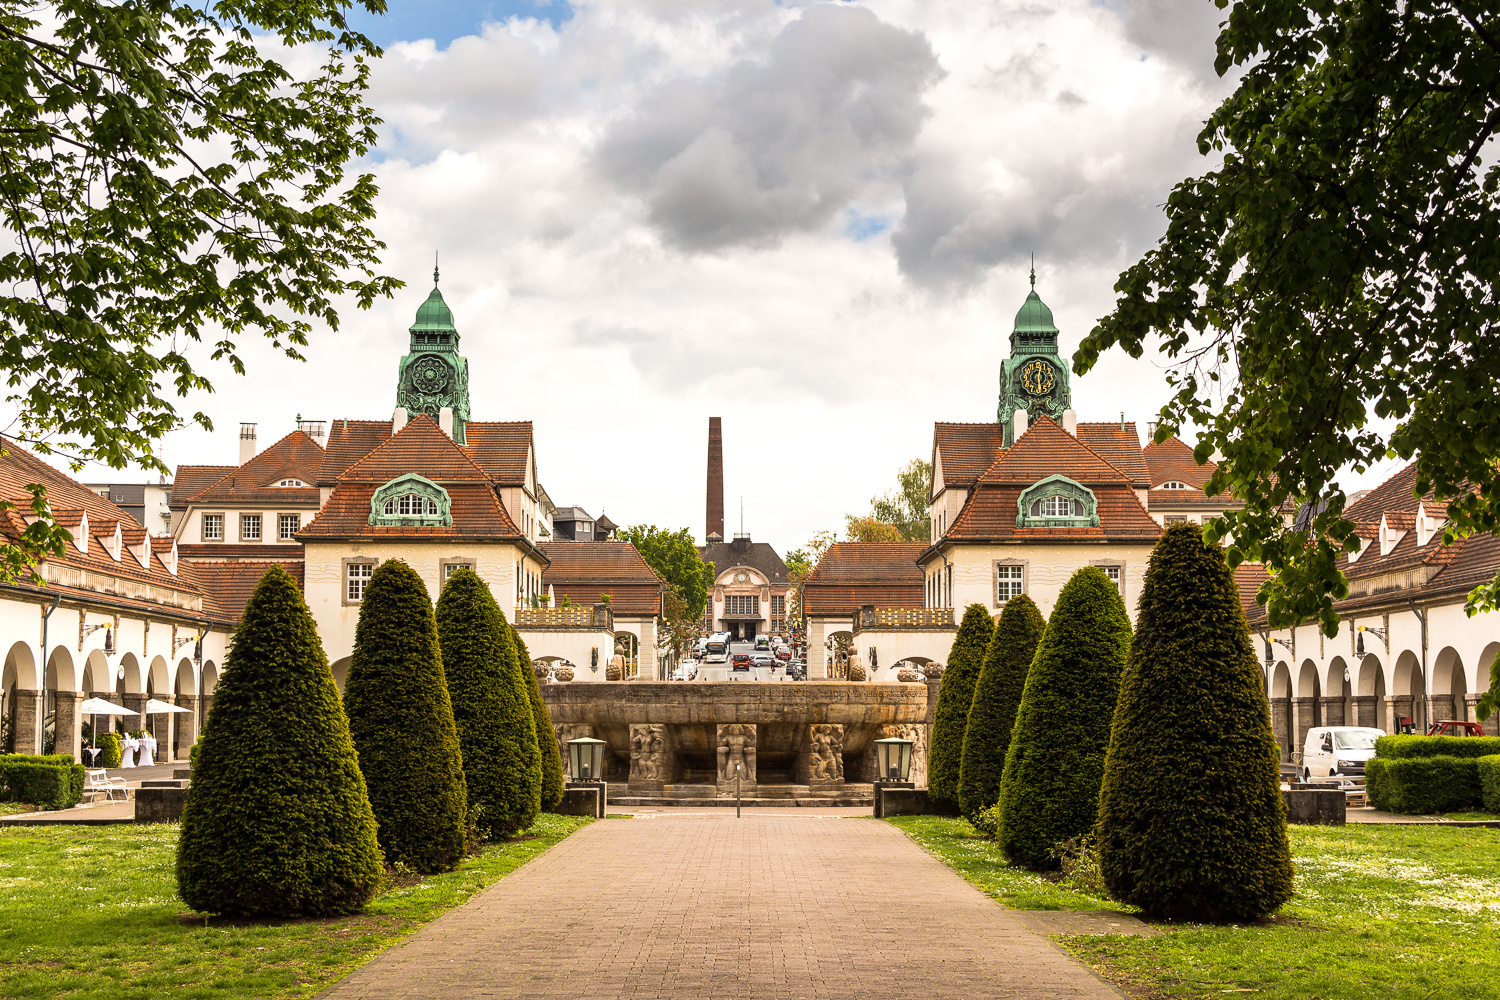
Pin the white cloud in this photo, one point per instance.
(810, 220)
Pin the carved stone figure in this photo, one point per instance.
(563, 673)
(736, 747)
(907, 675)
(648, 754)
(856, 667)
(565, 731)
(615, 669)
(827, 754)
(543, 672)
(933, 671)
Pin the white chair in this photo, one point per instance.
(100, 781)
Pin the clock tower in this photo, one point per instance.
(1034, 378)
(433, 374)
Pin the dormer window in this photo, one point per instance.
(410, 500)
(1057, 502)
(292, 483)
(1174, 484)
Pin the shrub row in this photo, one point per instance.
(113, 754)
(1419, 785)
(1436, 746)
(53, 781)
(955, 698)
(1489, 783)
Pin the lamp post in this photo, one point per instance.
(586, 760)
(893, 768)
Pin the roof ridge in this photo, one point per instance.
(1043, 422)
(421, 420)
(234, 469)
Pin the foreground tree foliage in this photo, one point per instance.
(166, 176)
(396, 696)
(277, 821)
(955, 695)
(546, 737)
(997, 696)
(491, 710)
(1049, 791)
(1339, 265)
(1191, 822)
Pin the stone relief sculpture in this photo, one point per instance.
(856, 668)
(827, 753)
(648, 753)
(565, 731)
(737, 747)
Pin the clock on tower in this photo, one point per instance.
(1034, 378)
(433, 374)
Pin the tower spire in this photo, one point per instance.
(1033, 270)
(435, 270)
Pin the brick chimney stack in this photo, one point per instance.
(714, 518)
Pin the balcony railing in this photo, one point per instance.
(577, 617)
(913, 619)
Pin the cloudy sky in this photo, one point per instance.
(813, 220)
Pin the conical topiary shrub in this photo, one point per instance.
(1049, 791)
(945, 753)
(496, 729)
(552, 774)
(997, 695)
(1191, 822)
(402, 721)
(277, 822)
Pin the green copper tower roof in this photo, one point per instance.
(434, 316)
(1034, 316)
(433, 376)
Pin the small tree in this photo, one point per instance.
(546, 738)
(402, 721)
(277, 821)
(997, 695)
(496, 730)
(1191, 822)
(1049, 791)
(945, 754)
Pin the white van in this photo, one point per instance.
(1338, 750)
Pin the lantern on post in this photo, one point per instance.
(586, 759)
(893, 760)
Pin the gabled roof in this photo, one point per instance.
(477, 513)
(966, 450)
(227, 586)
(1394, 496)
(1120, 446)
(1172, 460)
(743, 552)
(1048, 450)
(501, 449)
(296, 456)
(990, 515)
(190, 480)
(421, 447)
(348, 442)
(853, 574)
(596, 562)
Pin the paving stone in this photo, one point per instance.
(773, 905)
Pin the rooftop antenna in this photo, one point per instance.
(435, 268)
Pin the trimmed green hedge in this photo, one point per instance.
(955, 698)
(1489, 783)
(112, 754)
(997, 696)
(1191, 821)
(496, 728)
(401, 719)
(546, 737)
(1049, 791)
(1436, 746)
(277, 821)
(1421, 785)
(53, 781)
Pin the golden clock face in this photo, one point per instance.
(1037, 378)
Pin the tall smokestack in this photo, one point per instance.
(714, 518)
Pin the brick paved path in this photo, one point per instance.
(697, 906)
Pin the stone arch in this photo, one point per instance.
(1408, 691)
(134, 680)
(1307, 680)
(20, 668)
(97, 675)
(1281, 707)
(340, 669)
(184, 678)
(1448, 685)
(1338, 684)
(1483, 668)
(1370, 708)
(210, 677)
(1308, 705)
(18, 682)
(839, 644)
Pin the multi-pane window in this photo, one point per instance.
(287, 525)
(411, 505)
(1007, 583)
(249, 527)
(778, 605)
(1173, 484)
(1057, 507)
(358, 579)
(1176, 518)
(1113, 572)
(291, 482)
(213, 527)
(742, 606)
(453, 567)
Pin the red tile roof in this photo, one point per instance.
(296, 456)
(1048, 450)
(420, 447)
(1194, 499)
(190, 480)
(230, 584)
(215, 551)
(841, 600)
(477, 513)
(990, 515)
(500, 448)
(1120, 446)
(596, 562)
(348, 442)
(1173, 460)
(853, 574)
(966, 451)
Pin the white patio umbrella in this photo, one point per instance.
(551, 597)
(154, 707)
(99, 706)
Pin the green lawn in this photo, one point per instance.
(92, 912)
(1398, 912)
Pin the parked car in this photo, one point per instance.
(763, 642)
(763, 660)
(783, 653)
(1338, 751)
(686, 670)
(741, 661)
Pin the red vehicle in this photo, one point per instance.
(784, 653)
(742, 661)
(1449, 727)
